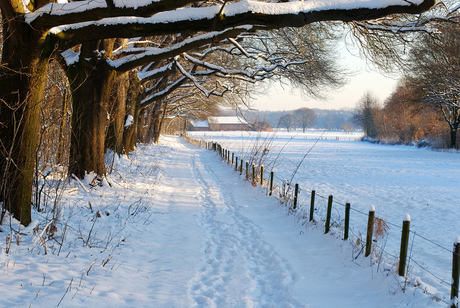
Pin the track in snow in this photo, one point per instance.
(239, 268)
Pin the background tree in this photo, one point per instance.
(404, 112)
(367, 113)
(435, 70)
(305, 117)
(287, 121)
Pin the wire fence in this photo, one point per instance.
(312, 208)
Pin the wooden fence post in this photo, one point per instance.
(404, 245)
(347, 221)
(271, 182)
(370, 230)
(328, 215)
(455, 273)
(241, 166)
(247, 171)
(296, 193)
(312, 204)
(261, 175)
(233, 155)
(236, 163)
(253, 173)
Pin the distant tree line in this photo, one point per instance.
(303, 118)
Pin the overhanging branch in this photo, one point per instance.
(254, 14)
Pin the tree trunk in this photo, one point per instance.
(132, 109)
(91, 85)
(453, 138)
(160, 126)
(60, 153)
(143, 127)
(154, 126)
(22, 82)
(118, 114)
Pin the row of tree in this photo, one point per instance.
(302, 117)
(84, 76)
(329, 119)
(426, 103)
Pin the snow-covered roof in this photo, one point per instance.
(200, 123)
(227, 120)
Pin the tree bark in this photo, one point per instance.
(118, 114)
(161, 123)
(155, 123)
(60, 153)
(91, 83)
(22, 82)
(453, 139)
(132, 109)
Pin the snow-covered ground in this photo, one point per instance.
(173, 226)
(395, 179)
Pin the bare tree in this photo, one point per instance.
(287, 120)
(404, 112)
(366, 114)
(305, 117)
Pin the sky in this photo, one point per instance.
(367, 79)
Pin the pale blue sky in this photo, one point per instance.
(346, 97)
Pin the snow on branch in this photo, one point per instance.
(259, 72)
(419, 25)
(261, 15)
(192, 79)
(56, 14)
(163, 93)
(155, 73)
(136, 57)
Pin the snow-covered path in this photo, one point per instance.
(191, 233)
(240, 268)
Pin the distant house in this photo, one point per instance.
(200, 125)
(227, 123)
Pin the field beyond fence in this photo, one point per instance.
(368, 237)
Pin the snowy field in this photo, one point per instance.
(174, 226)
(395, 179)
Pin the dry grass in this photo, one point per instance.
(380, 228)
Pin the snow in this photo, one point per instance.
(396, 179)
(227, 120)
(201, 124)
(178, 227)
(129, 121)
(371, 208)
(70, 57)
(207, 13)
(406, 217)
